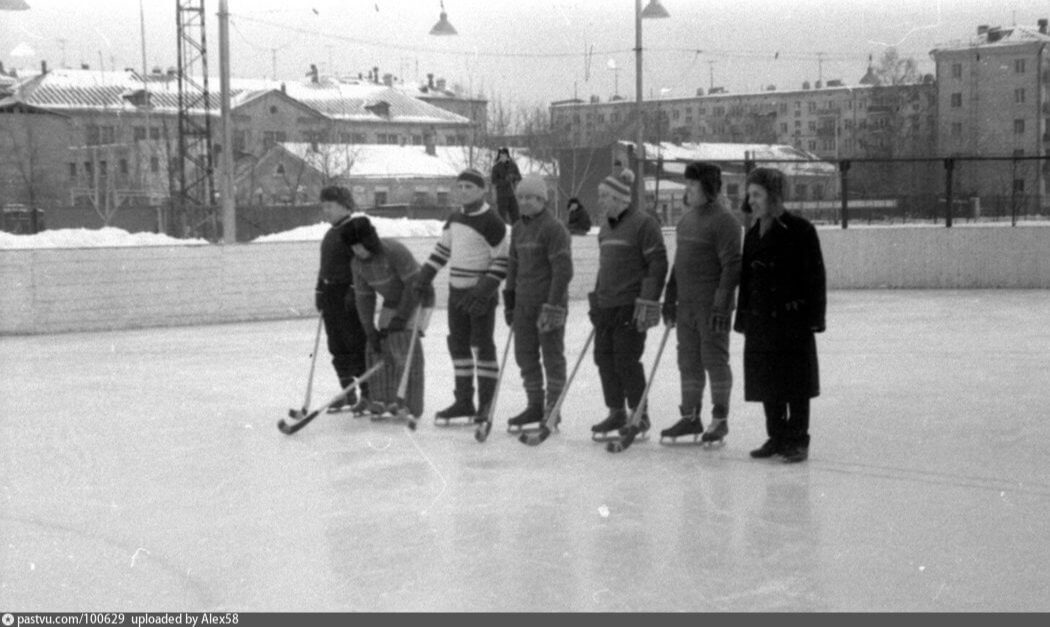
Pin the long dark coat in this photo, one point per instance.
(505, 177)
(782, 303)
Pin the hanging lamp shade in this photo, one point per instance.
(654, 10)
(443, 26)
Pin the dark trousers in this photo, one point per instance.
(472, 347)
(702, 351)
(529, 346)
(618, 349)
(346, 336)
(788, 421)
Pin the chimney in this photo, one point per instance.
(283, 90)
(430, 80)
(982, 29)
(375, 73)
(805, 84)
(173, 73)
(699, 91)
(1042, 25)
(818, 85)
(43, 67)
(85, 66)
(995, 34)
(388, 79)
(441, 84)
(313, 73)
(156, 70)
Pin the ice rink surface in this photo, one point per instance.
(142, 470)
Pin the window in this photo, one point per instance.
(240, 140)
(89, 170)
(812, 107)
(1019, 95)
(123, 166)
(782, 107)
(812, 125)
(272, 137)
(1019, 66)
(107, 134)
(800, 191)
(273, 109)
(154, 164)
(419, 197)
(956, 100)
(73, 171)
(1018, 186)
(91, 135)
(154, 132)
(103, 168)
(798, 113)
(956, 70)
(798, 125)
(733, 189)
(812, 145)
(956, 129)
(442, 199)
(1018, 127)
(783, 127)
(601, 118)
(279, 170)
(380, 197)
(140, 133)
(818, 192)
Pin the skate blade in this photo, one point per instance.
(674, 440)
(713, 444)
(462, 421)
(516, 429)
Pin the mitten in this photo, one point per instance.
(719, 321)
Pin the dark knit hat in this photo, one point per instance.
(472, 176)
(503, 151)
(769, 179)
(338, 194)
(359, 230)
(708, 174)
(616, 185)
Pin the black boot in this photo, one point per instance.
(616, 419)
(533, 413)
(688, 424)
(463, 407)
(643, 424)
(767, 450)
(347, 402)
(796, 450)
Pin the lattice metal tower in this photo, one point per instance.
(195, 202)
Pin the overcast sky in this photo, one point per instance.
(520, 51)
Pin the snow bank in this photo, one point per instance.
(105, 237)
(386, 227)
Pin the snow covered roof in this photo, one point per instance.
(675, 156)
(996, 37)
(389, 161)
(108, 90)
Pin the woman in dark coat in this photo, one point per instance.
(505, 177)
(781, 305)
(579, 221)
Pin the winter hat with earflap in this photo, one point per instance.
(532, 185)
(338, 194)
(708, 174)
(359, 230)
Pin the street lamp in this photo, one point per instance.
(443, 26)
(653, 10)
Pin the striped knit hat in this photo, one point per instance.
(472, 176)
(616, 185)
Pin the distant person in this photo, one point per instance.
(625, 303)
(474, 243)
(334, 295)
(386, 268)
(536, 299)
(782, 303)
(578, 221)
(699, 301)
(505, 177)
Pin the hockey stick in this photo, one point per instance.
(550, 421)
(632, 429)
(313, 362)
(482, 432)
(298, 420)
(402, 386)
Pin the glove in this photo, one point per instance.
(592, 313)
(423, 281)
(552, 318)
(319, 300)
(670, 312)
(508, 306)
(397, 323)
(478, 301)
(718, 322)
(646, 314)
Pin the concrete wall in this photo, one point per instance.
(54, 290)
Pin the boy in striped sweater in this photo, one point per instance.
(474, 243)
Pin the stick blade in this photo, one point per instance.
(624, 442)
(535, 438)
(482, 432)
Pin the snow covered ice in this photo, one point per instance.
(142, 470)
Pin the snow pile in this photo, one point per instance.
(385, 227)
(106, 237)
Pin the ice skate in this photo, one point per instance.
(363, 407)
(640, 431)
(716, 432)
(616, 419)
(458, 409)
(532, 415)
(345, 405)
(688, 424)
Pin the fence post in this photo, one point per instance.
(844, 185)
(949, 171)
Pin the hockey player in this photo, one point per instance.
(699, 300)
(474, 241)
(536, 298)
(386, 267)
(334, 295)
(625, 303)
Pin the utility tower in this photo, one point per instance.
(195, 210)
